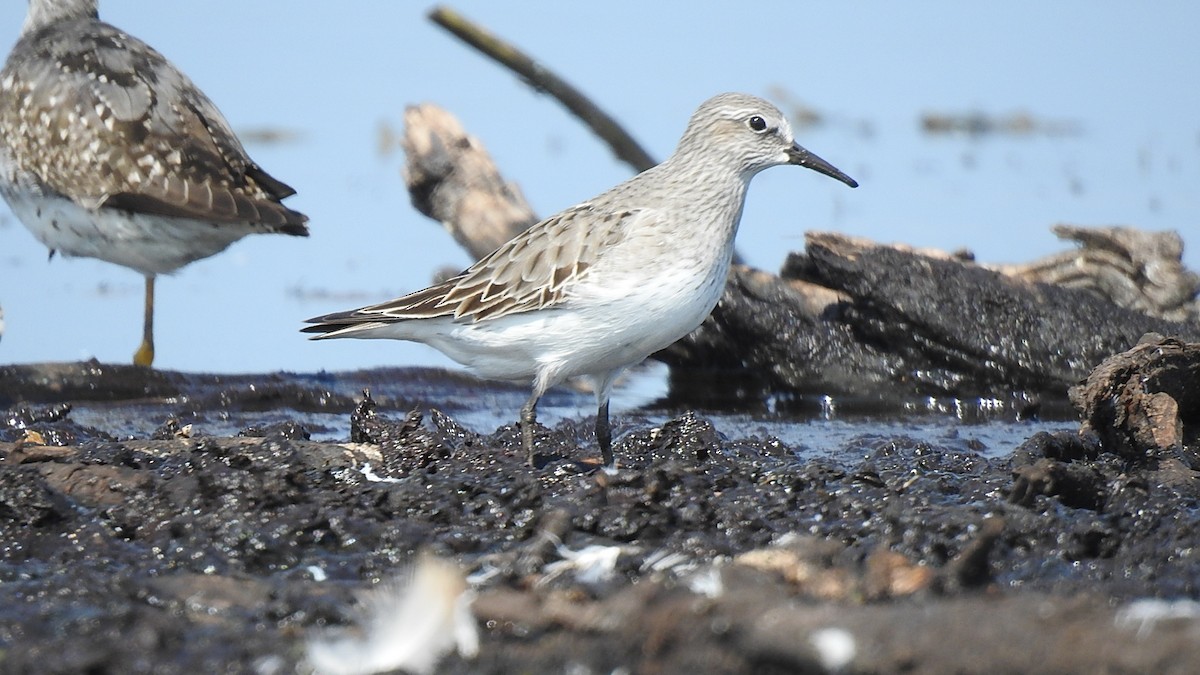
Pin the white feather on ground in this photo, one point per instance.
(409, 624)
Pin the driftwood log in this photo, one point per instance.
(1144, 403)
(867, 322)
(936, 325)
(1133, 268)
(452, 179)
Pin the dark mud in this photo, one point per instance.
(202, 529)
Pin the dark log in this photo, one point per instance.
(808, 348)
(853, 318)
(982, 329)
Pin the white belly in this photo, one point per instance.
(147, 243)
(602, 329)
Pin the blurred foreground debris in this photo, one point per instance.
(883, 552)
(408, 624)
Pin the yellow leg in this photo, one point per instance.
(144, 356)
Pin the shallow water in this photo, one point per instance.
(210, 405)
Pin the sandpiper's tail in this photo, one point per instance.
(343, 324)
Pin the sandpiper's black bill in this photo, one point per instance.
(802, 157)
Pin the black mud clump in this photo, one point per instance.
(177, 554)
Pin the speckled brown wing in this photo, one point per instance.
(105, 120)
(532, 271)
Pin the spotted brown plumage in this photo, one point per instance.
(109, 151)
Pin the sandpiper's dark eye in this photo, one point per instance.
(757, 123)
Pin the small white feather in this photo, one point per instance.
(407, 624)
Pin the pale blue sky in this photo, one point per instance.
(334, 72)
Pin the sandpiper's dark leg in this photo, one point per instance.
(604, 433)
(528, 421)
(604, 387)
(144, 356)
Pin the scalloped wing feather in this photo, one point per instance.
(533, 271)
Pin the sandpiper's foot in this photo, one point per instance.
(144, 356)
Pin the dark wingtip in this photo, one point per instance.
(321, 330)
(327, 323)
(270, 184)
(296, 229)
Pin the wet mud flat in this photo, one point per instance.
(133, 542)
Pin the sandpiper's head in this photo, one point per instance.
(753, 132)
(45, 12)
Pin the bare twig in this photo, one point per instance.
(623, 145)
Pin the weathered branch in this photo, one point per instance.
(1134, 268)
(541, 78)
(451, 178)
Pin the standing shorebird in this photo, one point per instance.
(602, 285)
(108, 151)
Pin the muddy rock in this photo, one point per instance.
(1145, 402)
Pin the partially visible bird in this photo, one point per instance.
(108, 151)
(601, 285)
